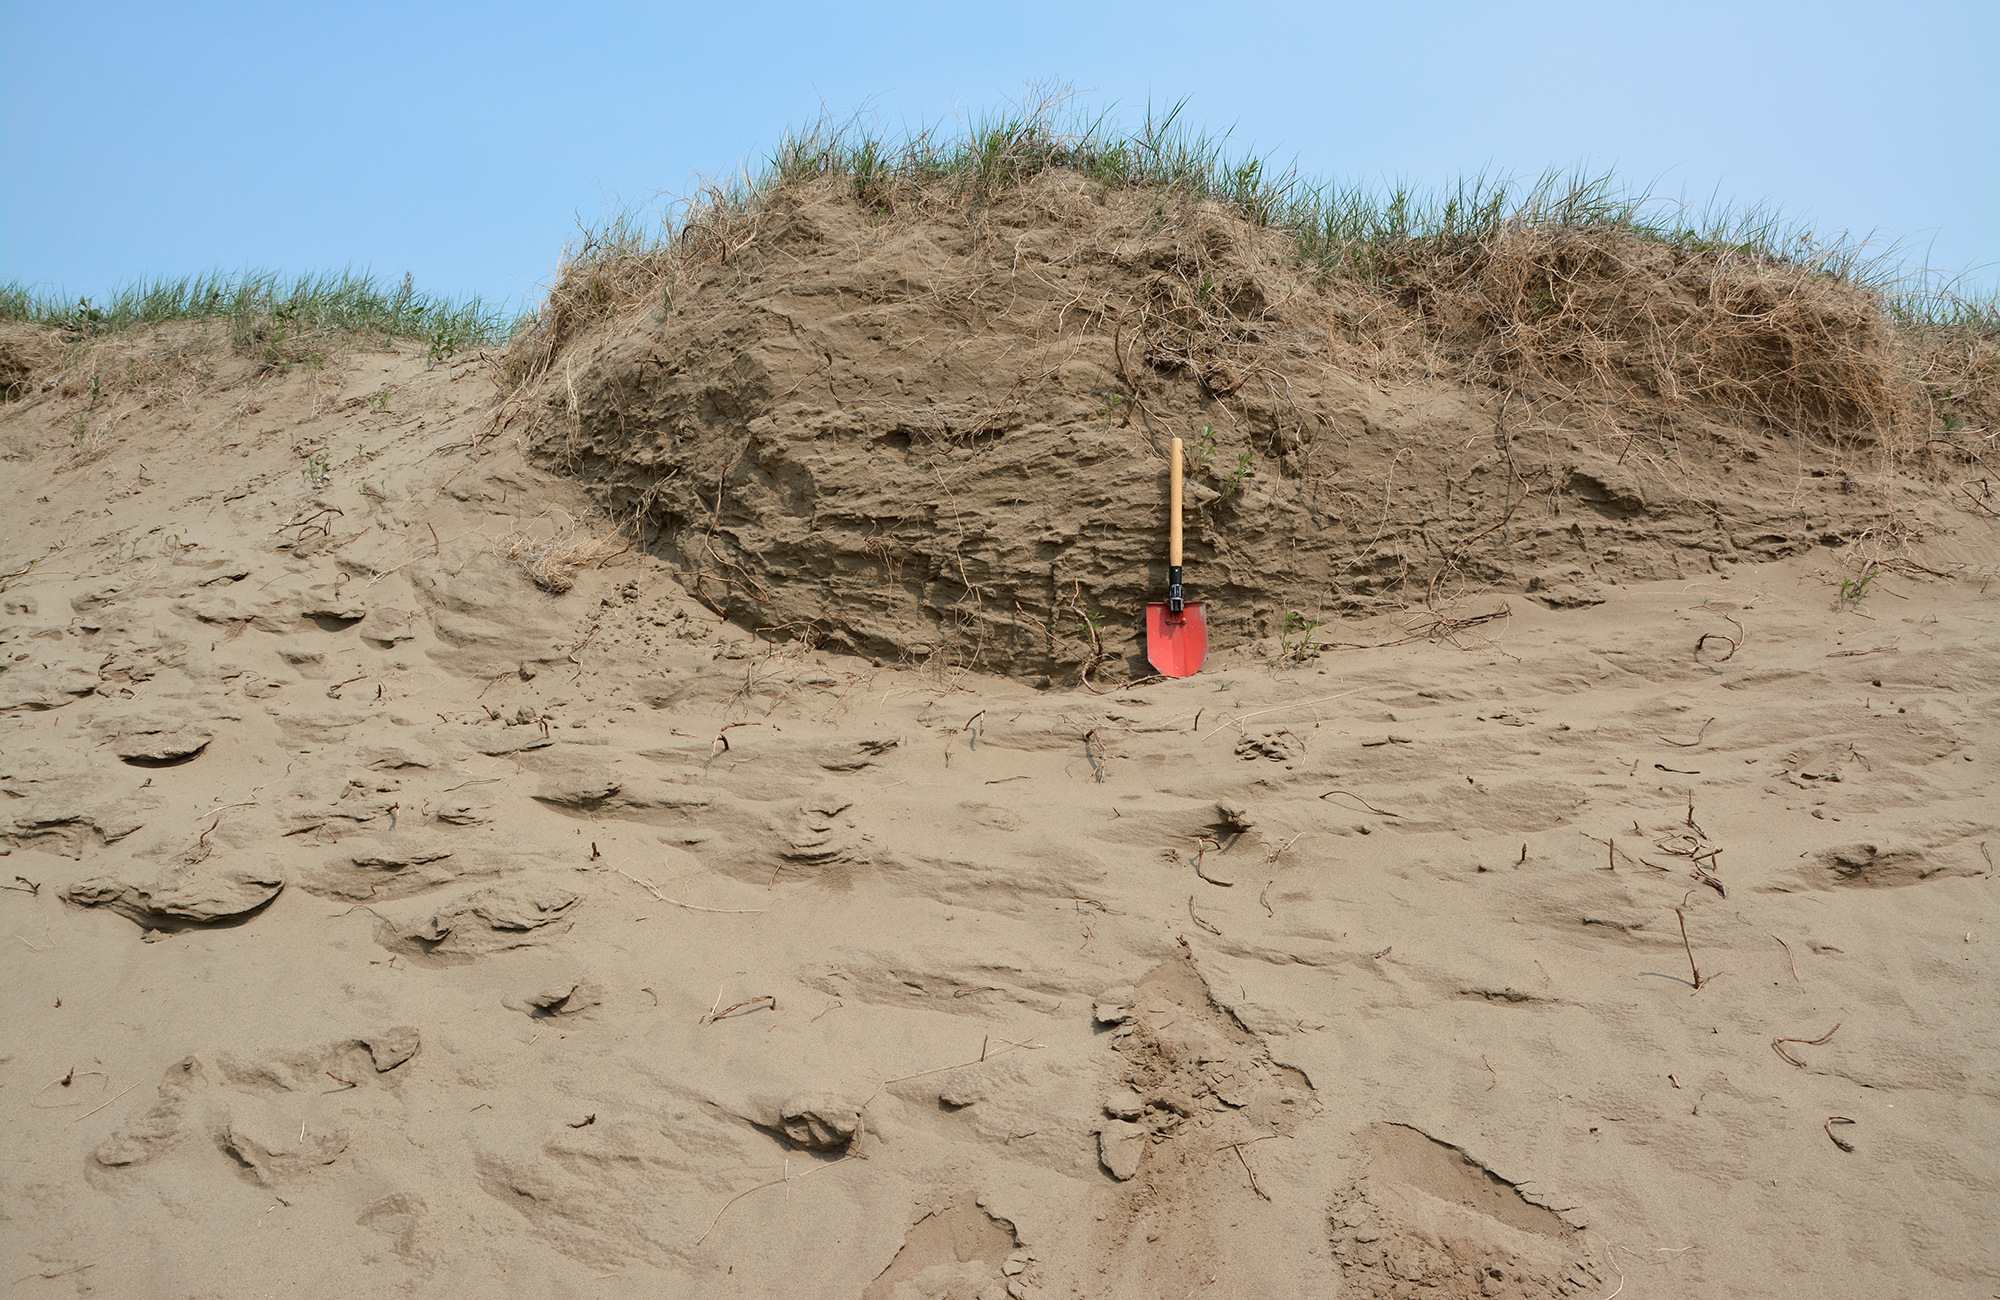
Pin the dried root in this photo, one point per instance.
(551, 563)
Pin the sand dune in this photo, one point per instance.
(387, 924)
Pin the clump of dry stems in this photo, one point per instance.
(551, 563)
(1566, 281)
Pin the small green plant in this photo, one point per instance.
(1093, 624)
(379, 403)
(1201, 450)
(1296, 641)
(445, 342)
(1245, 467)
(317, 467)
(1854, 590)
(369, 490)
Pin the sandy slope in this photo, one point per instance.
(948, 435)
(399, 928)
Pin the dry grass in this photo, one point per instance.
(1951, 369)
(552, 562)
(1565, 284)
(613, 272)
(168, 364)
(169, 339)
(1784, 344)
(27, 354)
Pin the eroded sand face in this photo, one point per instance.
(395, 922)
(947, 437)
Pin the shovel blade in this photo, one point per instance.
(1176, 644)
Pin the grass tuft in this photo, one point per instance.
(551, 562)
(1546, 281)
(261, 305)
(1352, 230)
(1402, 240)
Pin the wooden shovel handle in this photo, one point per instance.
(1174, 508)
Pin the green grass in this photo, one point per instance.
(1379, 236)
(334, 303)
(1945, 303)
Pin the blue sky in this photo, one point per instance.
(463, 142)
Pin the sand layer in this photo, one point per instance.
(385, 922)
(946, 436)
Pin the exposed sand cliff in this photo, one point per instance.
(388, 922)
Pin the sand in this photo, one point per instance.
(945, 435)
(387, 924)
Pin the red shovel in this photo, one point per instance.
(1176, 631)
